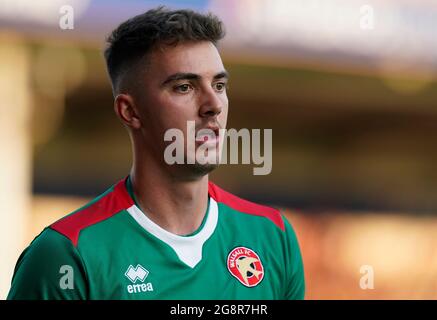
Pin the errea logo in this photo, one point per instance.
(139, 273)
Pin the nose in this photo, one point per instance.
(210, 104)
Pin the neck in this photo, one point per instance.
(178, 206)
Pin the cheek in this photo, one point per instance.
(173, 112)
(223, 116)
(183, 105)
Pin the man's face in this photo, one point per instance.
(182, 83)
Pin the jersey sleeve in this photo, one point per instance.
(295, 286)
(50, 268)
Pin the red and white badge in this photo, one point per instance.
(245, 265)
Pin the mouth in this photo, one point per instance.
(209, 135)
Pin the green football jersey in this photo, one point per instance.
(110, 249)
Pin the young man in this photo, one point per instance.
(165, 232)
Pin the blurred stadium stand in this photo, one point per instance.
(353, 113)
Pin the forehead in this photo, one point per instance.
(200, 58)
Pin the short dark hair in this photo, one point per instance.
(136, 37)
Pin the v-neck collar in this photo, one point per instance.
(187, 248)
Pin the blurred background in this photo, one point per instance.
(348, 87)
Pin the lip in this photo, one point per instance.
(216, 130)
(208, 139)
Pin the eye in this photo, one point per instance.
(183, 88)
(220, 86)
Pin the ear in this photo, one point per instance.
(124, 107)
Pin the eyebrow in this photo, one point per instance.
(192, 76)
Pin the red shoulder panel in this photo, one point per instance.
(109, 205)
(245, 206)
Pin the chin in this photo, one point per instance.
(202, 169)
